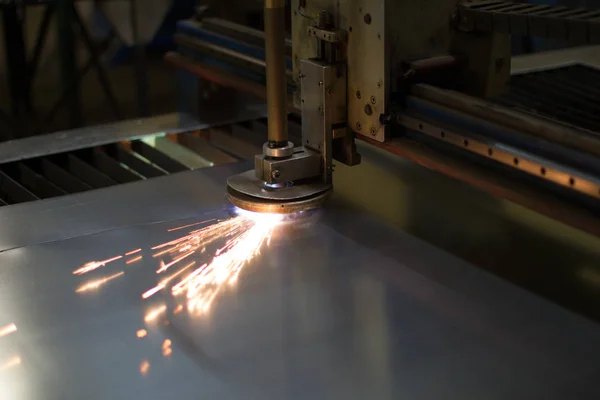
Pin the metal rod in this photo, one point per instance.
(276, 72)
(578, 139)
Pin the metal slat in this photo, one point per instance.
(142, 167)
(57, 175)
(568, 94)
(83, 171)
(108, 166)
(12, 192)
(33, 181)
(156, 157)
(558, 22)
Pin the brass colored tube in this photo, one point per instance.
(276, 72)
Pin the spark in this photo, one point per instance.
(162, 284)
(203, 285)
(167, 352)
(141, 333)
(190, 225)
(144, 367)
(167, 343)
(135, 259)
(10, 363)
(92, 265)
(154, 313)
(95, 284)
(8, 329)
(132, 252)
(164, 267)
(178, 309)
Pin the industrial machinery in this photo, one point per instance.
(431, 86)
(121, 257)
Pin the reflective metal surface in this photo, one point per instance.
(59, 142)
(338, 307)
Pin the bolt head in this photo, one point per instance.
(275, 174)
(373, 100)
(368, 109)
(373, 131)
(358, 127)
(358, 95)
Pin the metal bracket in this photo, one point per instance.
(302, 164)
(328, 35)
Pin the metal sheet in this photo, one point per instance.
(59, 142)
(342, 308)
(176, 196)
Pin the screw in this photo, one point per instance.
(301, 75)
(373, 131)
(368, 109)
(367, 19)
(321, 110)
(358, 126)
(328, 90)
(358, 95)
(320, 83)
(379, 36)
(373, 100)
(275, 174)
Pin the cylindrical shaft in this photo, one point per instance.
(276, 73)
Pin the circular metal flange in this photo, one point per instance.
(278, 152)
(249, 193)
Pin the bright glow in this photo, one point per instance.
(8, 329)
(141, 333)
(204, 284)
(154, 313)
(10, 363)
(167, 352)
(95, 284)
(92, 265)
(144, 367)
(133, 252)
(134, 259)
(167, 343)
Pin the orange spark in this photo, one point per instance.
(8, 329)
(154, 313)
(92, 265)
(95, 284)
(133, 252)
(178, 309)
(162, 284)
(144, 367)
(164, 267)
(187, 226)
(167, 343)
(10, 363)
(203, 285)
(134, 259)
(141, 333)
(152, 291)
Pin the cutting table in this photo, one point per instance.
(342, 306)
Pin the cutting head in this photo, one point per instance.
(249, 193)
